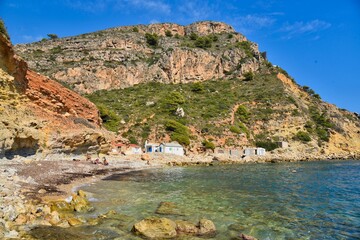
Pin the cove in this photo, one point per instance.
(268, 201)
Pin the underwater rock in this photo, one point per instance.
(168, 208)
(246, 237)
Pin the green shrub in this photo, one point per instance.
(109, 117)
(152, 39)
(135, 29)
(174, 126)
(3, 29)
(180, 138)
(248, 76)
(203, 42)
(242, 113)
(52, 36)
(214, 37)
(179, 132)
(246, 46)
(268, 145)
(193, 36)
(133, 140)
(302, 136)
(168, 33)
(172, 101)
(197, 87)
(208, 145)
(239, 128)
(235, 129)
(56, 50)
(244, 129)
(323, 134)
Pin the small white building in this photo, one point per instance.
(151, 147)
(254, 151)
(282, 144)
(172, 148)
(133, 149)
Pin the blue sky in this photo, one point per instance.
(317, 42)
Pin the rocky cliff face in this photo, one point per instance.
(124, 56)
(230, 95)
(39, 116)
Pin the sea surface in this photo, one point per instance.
(305, 200)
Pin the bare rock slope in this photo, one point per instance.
(39, 115)
(124, 56)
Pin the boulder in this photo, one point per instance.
(206, 227)
(81, 204)
(21, 219)
(246, 237)
(145, 157)
(185, 227)
(61, 206)
(74, 221)
(155, 228)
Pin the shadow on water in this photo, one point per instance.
(133, 176)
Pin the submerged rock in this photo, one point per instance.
(155, 228)
(168, 208)
(246, 237)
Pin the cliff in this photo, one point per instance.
(124, 56)
(40, 116)
(226, 94)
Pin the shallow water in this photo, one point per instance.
(268, 201)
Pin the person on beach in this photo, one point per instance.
(88, 157)
(105, 162)
(97, 161)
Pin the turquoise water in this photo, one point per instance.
(268, 201)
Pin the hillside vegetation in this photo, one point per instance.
(224, 112)
(203, 85)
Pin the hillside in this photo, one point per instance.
(40, 116)
(124, 56)
(226, 93)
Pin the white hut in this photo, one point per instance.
(254, 151)
(172, 148)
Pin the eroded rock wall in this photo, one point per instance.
(40, 116)
(121, 57)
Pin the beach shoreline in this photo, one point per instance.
(30, 185)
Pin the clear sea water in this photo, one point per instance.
(268, 201)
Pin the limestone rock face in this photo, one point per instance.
(38, 115)
(121, 57)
